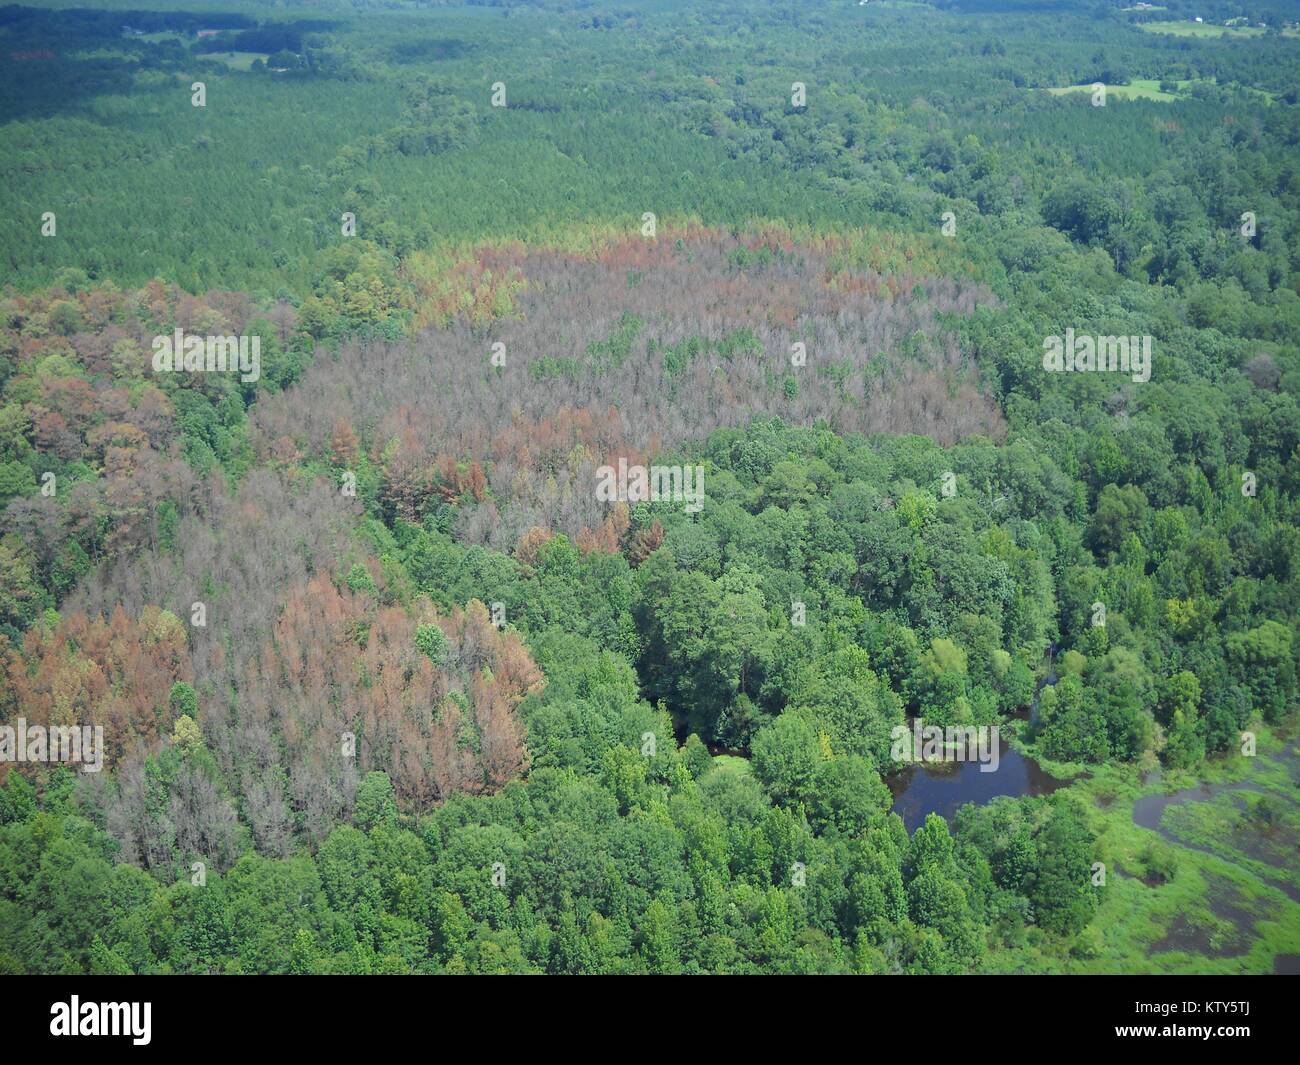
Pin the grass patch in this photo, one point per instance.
(236, 60)
(1138, 89)
(1206, 900)
(1201, 29)
(155, 38)
(731, 765)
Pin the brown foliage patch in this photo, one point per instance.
(517, 446)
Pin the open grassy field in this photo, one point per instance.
(1138, 89)
(1149, 89)
(1201, 29)
(1206, 29)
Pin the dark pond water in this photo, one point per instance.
(943, 788)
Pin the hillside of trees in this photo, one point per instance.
(387, 686)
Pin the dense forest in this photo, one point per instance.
(387, 684)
